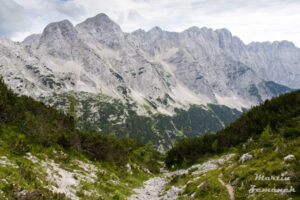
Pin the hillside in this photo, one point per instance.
(265, 142)
(111, 116)
(111, 78)
(43, 156)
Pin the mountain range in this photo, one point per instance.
(151, 85)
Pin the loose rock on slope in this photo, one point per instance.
(154, 186)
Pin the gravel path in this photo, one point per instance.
(151, 189)
(229, 187)
(154, 186)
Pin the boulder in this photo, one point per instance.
(245, 157)
(289, 158)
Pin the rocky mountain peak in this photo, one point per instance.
(5, 41)
(224, 32)
(64, 28)
(58, 39)
(100, 23)
(155, 33)
(32, 40)
(287, 44)
(59, 32)
(155, 29)
(194, 29)
(100, 16)
(138, 32)
(194, 32)
(101, 29)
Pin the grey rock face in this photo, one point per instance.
(101, 29)
(196, 66)
(59, 39)
(278, 62)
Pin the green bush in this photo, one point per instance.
(266, 138)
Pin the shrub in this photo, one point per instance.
(266, 138)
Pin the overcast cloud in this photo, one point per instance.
(251, 20)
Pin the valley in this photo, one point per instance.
(91, 112)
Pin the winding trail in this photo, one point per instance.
(229, 187)
(151, 189)
(155, 186)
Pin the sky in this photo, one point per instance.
(250, 20)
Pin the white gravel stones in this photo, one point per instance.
(245, 157)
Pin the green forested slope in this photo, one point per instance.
(40, 146)
(265, 141)
(114, 117)
(278, 113)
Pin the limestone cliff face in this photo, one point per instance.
(196, 66)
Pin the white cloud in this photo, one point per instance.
(251, 20)
(10, 23)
